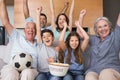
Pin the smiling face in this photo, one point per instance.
(103, 29)
(47, 38)
(30, 31)
(61, 20)
(43, 21)
(74, 42)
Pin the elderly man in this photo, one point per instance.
(22, 43)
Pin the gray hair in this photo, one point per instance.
(105, 19)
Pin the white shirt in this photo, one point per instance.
(21, 45)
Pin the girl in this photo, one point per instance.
(71, 52)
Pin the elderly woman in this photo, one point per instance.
(104, 48)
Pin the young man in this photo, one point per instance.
(43, 17)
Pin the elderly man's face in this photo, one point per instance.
(30, 31)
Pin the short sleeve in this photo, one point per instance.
(29, 19)
(15, 34)
(39, 45)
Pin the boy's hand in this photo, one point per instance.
(50, 60)
(39, 9)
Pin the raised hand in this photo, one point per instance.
(65, 24)
(39, 9)
(38, 24)
(82, 13)
(81, 16)
(4, 17)
(66, 3)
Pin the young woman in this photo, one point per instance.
(57, 23)
(71, 52)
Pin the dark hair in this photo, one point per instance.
(77, 51)
(42, 14)
(46, 30)
(56, 22)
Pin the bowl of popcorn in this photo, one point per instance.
(58, 69)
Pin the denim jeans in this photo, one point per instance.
(73, 77)
(46, 76)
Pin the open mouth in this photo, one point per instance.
(47, 41)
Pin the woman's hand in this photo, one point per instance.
(66, 3)
(65, 24)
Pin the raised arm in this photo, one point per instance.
(61, 39)
(85, 41)
(118, 21)
(26, 9)
(81, 17)
(53, 15)
(38, 26)
(65, 7)
(4, 17)
(71, 15)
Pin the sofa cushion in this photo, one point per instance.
(2, 63)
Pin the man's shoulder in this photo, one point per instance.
(47, 27)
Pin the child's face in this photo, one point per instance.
(74, 42)
(47, 39)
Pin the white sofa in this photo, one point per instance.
(5, 54)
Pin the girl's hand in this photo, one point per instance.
(57, 48)
(82, 12)
(50, 60)
(77, 23)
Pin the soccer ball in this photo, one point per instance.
(22, 61)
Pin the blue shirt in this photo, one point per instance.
(105, 54)
(74, 67)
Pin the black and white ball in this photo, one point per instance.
(22, 61)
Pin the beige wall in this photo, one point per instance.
(94, 9)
